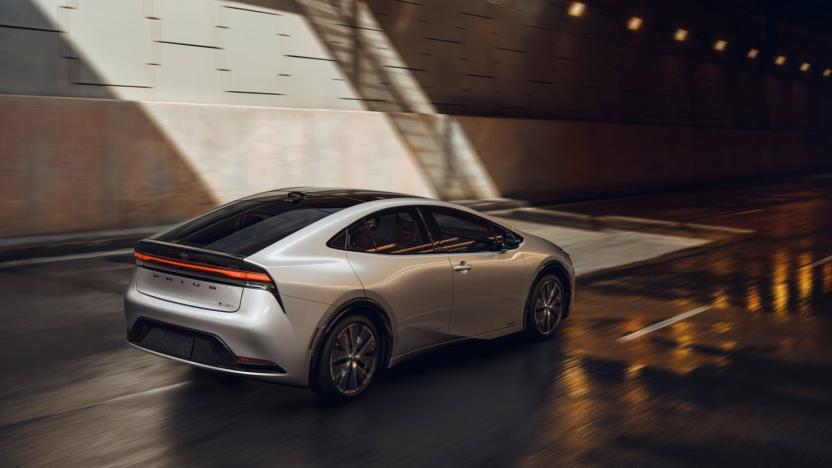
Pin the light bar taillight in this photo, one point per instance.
(226, 272)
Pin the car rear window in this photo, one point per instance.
(252, 224)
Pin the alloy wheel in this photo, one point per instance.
(548, 307)
(353, 359)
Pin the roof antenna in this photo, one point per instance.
(295, 197)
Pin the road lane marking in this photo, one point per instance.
(748, 211)
(63, 258)
(664, 323)
(820, 262)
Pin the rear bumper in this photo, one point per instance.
(200, 348)
(259, 329)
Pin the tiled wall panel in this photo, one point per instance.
(188, 21)
(189, 74)
(29, 73)
(112, 39)
(253, 52)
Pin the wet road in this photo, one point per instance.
(747, 381)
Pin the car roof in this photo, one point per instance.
(328, 196)
(362, 203)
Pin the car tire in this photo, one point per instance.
(546, 307)
(348, 360)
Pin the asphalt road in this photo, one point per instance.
(747, 381)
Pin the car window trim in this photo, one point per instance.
(428, 228)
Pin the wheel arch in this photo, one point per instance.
(367, 307)
(556, 268)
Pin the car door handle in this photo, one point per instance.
(463, 266)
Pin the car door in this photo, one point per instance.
(393, 256)
(489, 283)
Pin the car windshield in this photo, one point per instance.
(251, 224)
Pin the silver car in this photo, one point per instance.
(326, 287)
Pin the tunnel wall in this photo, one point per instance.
(69, 165)
(556, 160)
(152, 110)
(259, 52)
(524, 59)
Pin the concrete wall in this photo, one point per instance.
(463, 57)
(70, 165)
(540, 159)
(153, 110)
(531, 59)
(208, 51)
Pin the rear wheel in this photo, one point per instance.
(349, 359)
(546, 307)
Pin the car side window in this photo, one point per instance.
(392, 232)
(398, 232)
(462, 232)
(356, 238)
(359, 238)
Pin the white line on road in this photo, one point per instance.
(819, 262)
(664, 323)
(63, 258)
(748, 211)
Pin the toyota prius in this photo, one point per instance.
(325, 288)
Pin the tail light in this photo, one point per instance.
(204, 264)
(230, 273)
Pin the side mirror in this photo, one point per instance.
(511, 243)
(506, 244)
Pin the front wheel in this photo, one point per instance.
(349, 359)
(546, 307)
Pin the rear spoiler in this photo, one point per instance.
(190, 254)
(201, 263)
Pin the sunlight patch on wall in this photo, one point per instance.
(240, 150)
